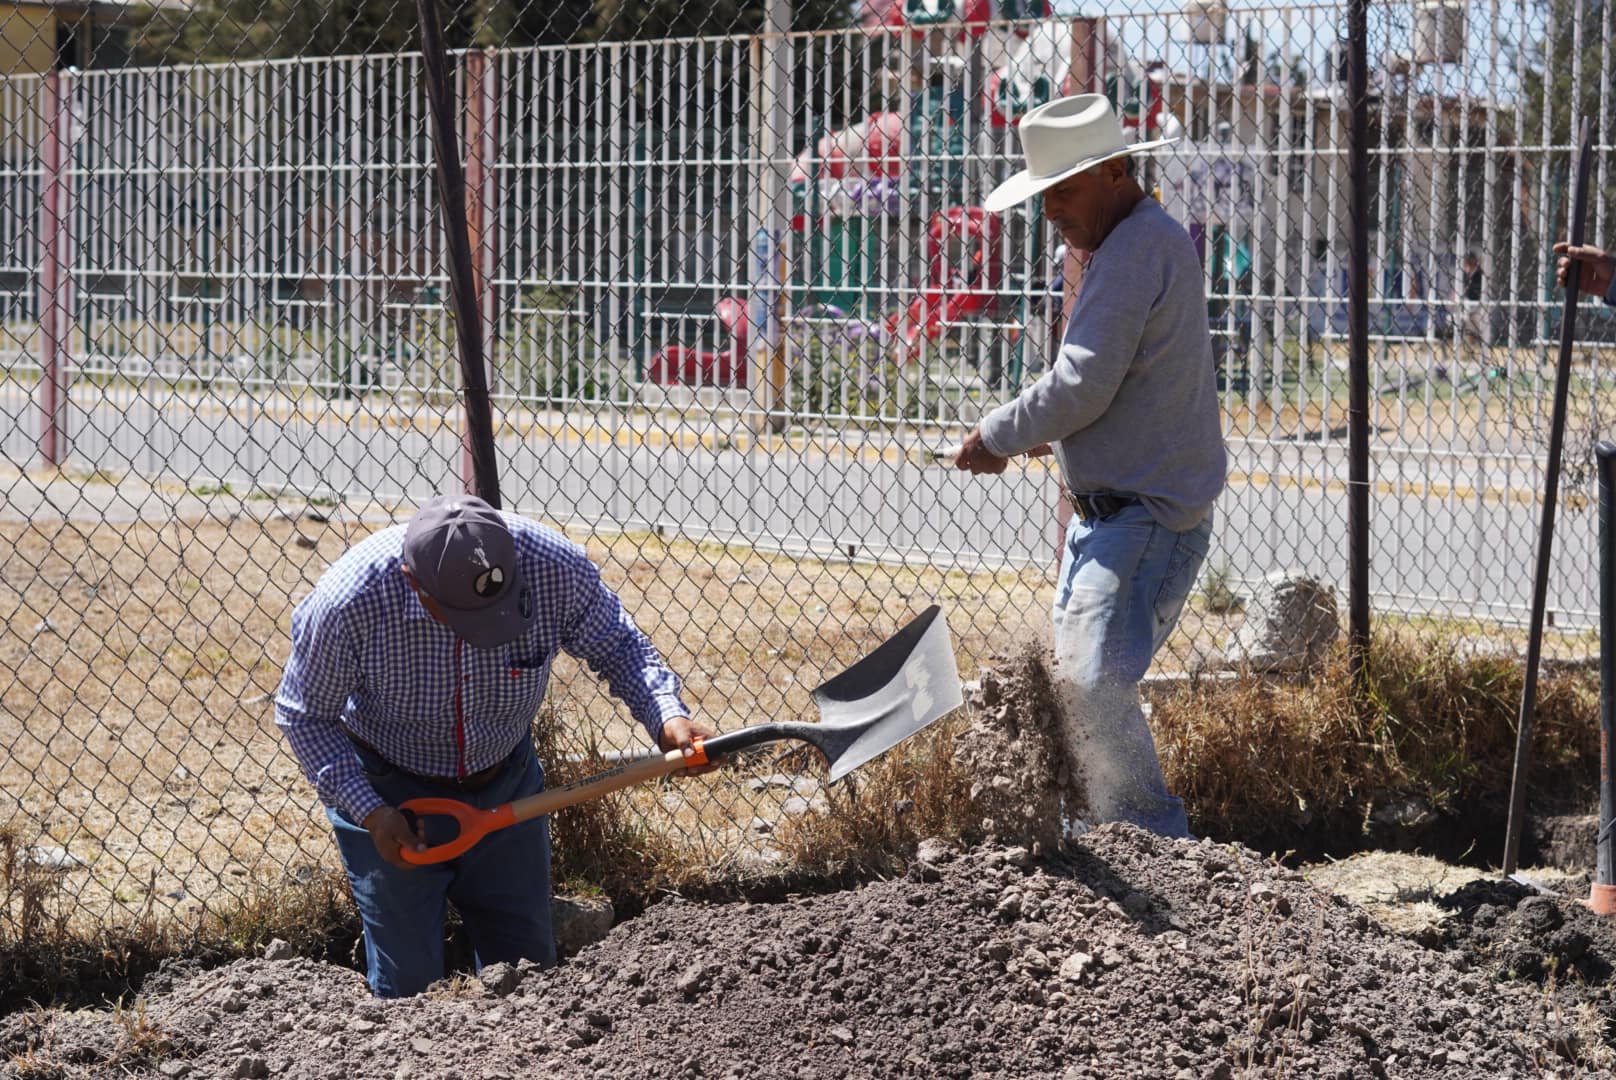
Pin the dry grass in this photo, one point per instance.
(139, 660)
(49, 952)
(877, 815)
(1304, 763)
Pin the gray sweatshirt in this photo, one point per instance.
(1130, 401)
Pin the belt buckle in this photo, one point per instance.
(476, 781)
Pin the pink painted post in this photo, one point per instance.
(54, 281)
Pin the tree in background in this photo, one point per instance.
(1557, 91)
(1559, 88)
(639, 19)
(216, 30)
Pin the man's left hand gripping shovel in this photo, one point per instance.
(909, 681)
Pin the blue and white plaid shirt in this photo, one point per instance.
(366, 655)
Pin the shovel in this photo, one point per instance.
(909, 681)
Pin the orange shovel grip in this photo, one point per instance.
(474, 824)
(698, 755)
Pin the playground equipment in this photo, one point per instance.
(1037, 61)
(964, 271)
(677, 365)
(880, 166)
(964, 275)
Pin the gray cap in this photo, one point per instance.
(460, 552)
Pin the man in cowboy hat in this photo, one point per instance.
(1130, 407)
(417, 665)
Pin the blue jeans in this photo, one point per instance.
(501, 887)
(1123, 582)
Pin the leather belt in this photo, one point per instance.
(474, 781)
(1102, 505)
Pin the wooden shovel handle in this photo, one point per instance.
(476, 823)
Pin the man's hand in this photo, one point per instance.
(390, 830)
(1598, 266)
(975, 457)
(680, 733)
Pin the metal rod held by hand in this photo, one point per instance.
(1545, 535)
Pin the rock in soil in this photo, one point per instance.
(1120, 955)
(576, 921)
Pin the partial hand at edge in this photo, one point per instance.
(1598, 267)
(974, 456)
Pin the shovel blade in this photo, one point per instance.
(908, 682)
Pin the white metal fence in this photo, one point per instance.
(644, 212)
(736, 289)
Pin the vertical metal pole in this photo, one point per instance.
(54, 273)
(1358, 343)
(1603, 899)
(452, 202)
(1545, 535)
(772, 74)
(477, 176)
(489, 87)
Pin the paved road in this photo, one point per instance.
(1460, 542)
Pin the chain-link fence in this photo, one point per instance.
(736, 289)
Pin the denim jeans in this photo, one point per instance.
(501, 887)
(1123, 582)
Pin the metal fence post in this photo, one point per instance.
(478, 136)
(1545, 535)
(1358, 342)
(451, 181)
(771, 79)
(55, 269)
(1603, 894)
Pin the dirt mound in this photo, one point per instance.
(1515, 932)
(1122, 955)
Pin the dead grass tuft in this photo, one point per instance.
(876, 816)
(315, 916)
(602, 844)
(46, 955)
(1273, 762)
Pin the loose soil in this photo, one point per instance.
(1112, 954)
(1120, 955)
(1027, 954)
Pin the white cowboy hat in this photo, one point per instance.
(1062, 139)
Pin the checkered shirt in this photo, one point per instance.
(366, 655)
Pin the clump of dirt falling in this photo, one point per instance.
(1024, 788)
(1120, 955)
